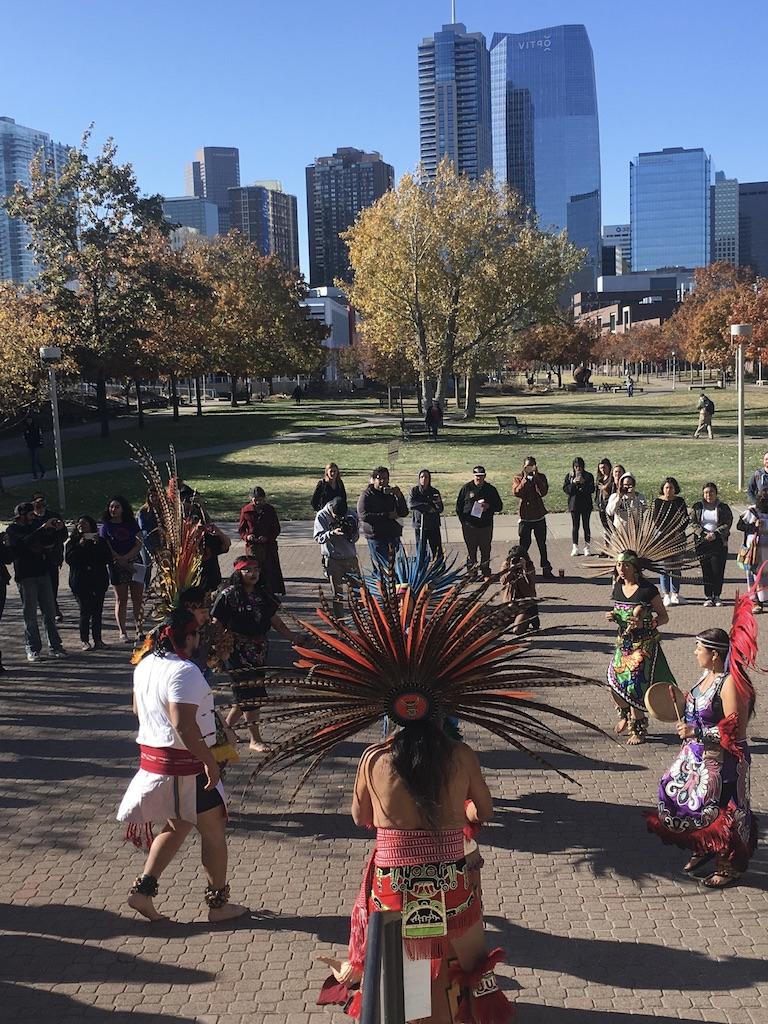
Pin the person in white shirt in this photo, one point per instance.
(178, 781)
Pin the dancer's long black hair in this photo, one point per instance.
(422, 755)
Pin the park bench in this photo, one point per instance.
(410, 428)
(716, 384)
(618, 388)
(511, 425)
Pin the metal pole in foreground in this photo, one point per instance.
(739, 332)
(50, 355)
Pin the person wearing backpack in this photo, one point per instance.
(706, 409)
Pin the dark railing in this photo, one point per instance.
(383, 998)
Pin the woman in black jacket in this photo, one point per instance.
(88, 557)
(579, 485)
(712, 521)
(331, 486)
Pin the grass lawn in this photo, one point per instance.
(562, 426)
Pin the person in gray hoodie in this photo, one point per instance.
(337, 529)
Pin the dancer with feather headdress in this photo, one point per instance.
(420, 660)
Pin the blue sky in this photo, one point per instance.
(289, 81)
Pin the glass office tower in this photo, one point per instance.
(210, 176)
(669, 209)
(753, 226)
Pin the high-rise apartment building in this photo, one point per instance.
(669, 204)
(753, 226)
(583, 225)
(192, 212)
(620, 237)
(215, 170)
(454, 101)
(267, 217)
(18, 148)
(724, 220)
(338, 188)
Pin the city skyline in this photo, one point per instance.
(158, 128)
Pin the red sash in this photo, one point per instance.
(169, 761)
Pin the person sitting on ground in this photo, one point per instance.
(518, 588)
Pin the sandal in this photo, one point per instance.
(697, 861)
(723, 876)
(623, 721)
(638, 731)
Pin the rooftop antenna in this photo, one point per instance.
(453, 12)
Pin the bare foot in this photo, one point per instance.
(620, 726)
(226, 913)
(635, 739)
(145, 906)
(259, 746)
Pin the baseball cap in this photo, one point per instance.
(479, 471)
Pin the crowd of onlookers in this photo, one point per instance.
(117, 550)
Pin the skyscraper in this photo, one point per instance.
(215, 170)
(753, 226)
(583, 224)
(724, 220)
(620, 236)
(267, 217)
(546, 136)
(669, 209)
(18, 148)
(454, 101)
(192, 212)
(338, 188)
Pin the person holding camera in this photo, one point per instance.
(6, 557)
(56, 554)
(214, 541)
(32, 543)
(88, 557)
(477, 504)
(531, 487)
(426, 505)
(579, 485)
(379, 507)
(336, 531)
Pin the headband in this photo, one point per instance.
(625, 556)
(721, 646)
(245, 561)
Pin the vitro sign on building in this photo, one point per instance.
(536, 44)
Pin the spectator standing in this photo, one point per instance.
(630, 385)
(260, 527)
(754, 525)
(605, 485)
(330, 486)
(33, 439)
(88, 557)
(531, 487)
(336, 530)
(712, 520)
(670, 514)
(434, 419)
(56, 552)
(30, 542)
(118, 527)
(478, 502)
(426, 505)
(579, 485)
(151, 539)
(379, 507)
(215, 541)
(706, 408)
(6, 557)
(626, 501)
(758, 481)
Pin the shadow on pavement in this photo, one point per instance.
(54, 1007)
(533, 1013)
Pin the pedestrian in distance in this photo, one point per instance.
(579, 485)
(328, 487)
(433, 419)
(336, 530)
(712, 520)
(630, 385)
(706, 409)
(758, 481)
(297, 394)
(31, 544)
(56, 553)
(88, 557)
(118, 527)
(531, 487)
(33, 439)
(259, 527)
(379, 508)
(477, 503)
(670, 514)
(426, 505)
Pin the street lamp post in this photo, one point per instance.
(738, 333)
(674, 368)
(50, 355)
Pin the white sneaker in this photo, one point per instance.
(574, 550)
(32, 656)
(587, 552)
(666, 600)
(124, 638)
(674, 599)
(679, 599)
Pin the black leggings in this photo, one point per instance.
(713, 568)
(583, 518)
(91, 604)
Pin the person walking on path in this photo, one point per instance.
(531, 487)
(259, 527)
(433, 419)
(297, 394)
(178, 781)
(758, 481)
(378, 508)
(579, 485)
(88, 557)
(426, 505)
(477, 503)
(336, 530)
(33, 439)
(31, 544)
(630, 385)
(119, 529)
(56, 553)
(670, 513)
(706, 408)
(753, 523)
(605, 485)
(712, 520)
(330, 486)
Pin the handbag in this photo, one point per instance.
(747, 556)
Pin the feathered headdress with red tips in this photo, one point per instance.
(412, 659)
(742, 653)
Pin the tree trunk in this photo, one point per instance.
(559, 372)
(419, 401)
(270, 385)
(389, 397)
(457, 391)
(233, 398)
(139, 403)
(470, 397)
(174, 397)
(199, 395)
(442, 388)
(128, 397)
(101, 402)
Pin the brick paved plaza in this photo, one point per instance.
(599, 922)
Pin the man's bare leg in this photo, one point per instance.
(164, 848)
(211, 826)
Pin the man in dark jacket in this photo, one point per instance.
(43, 514)
(758, 481)
(33, 439)
(477, 504)
(426, 505)
(379, 507)
(6, 557)
(31, 543)
(531, 486)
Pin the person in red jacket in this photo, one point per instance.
(259, 527)
(531, 487)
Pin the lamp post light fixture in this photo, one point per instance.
(740, 332)
(50, 355)
(674, 368)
